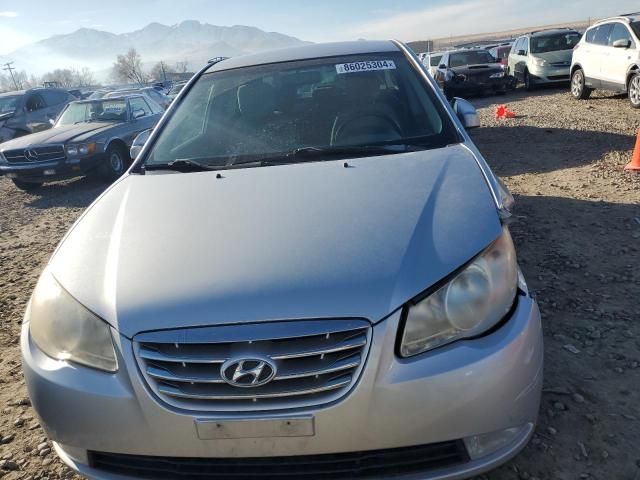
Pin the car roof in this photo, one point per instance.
(551, 31)
(119, 97)
(306, 52)
(15, 93)
(627, 18)
(466, 50)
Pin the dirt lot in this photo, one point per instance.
(578, 235)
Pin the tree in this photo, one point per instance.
(83, 78)
(161, 71)
(128, 67)
(182, 67)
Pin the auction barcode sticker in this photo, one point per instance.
(365, 66)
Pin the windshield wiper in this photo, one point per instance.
(181, 165)
(314, 154)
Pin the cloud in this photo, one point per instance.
(9, 14)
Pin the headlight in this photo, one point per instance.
(497, 75)
(65, 330)
(539, 62)
(471, 303)
(81, 149)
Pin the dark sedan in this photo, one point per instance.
(468, 72)
(90, 136)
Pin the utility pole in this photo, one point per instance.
(10, 69)
(164, 74)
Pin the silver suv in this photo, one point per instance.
(608, 57)
(543, 57)
(307, 273)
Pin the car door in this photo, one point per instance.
(616, 61)
(36, 118)
(520, 53)
(599, 54)
(441, 70)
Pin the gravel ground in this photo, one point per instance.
(578, 239)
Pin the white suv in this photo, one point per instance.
(608, 57)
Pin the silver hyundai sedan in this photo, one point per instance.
(306, 273)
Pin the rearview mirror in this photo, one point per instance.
(622, 43)
(138, 143)
(466, 113)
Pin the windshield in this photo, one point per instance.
(8, 104)
(265, 111)
(472, 57)
(103, 110)
(554, 43)
(434, 60)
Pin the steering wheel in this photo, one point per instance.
(373, 122)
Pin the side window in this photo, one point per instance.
(155, 108)
(619, 32)
(35, 102)
(56, 97)
(138, 103)
(602, 35)
(525, 45)
(590, 36)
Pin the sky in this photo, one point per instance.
(26, 21)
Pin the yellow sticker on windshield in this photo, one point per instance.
(356, 67)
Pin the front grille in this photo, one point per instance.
(49, 153)
(315, 362)
(373, 464)
(561, 64)
(558, 77)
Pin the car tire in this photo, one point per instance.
(579, 90)
(115, 163)
(633, 90)
(26, 186)
(528, 84)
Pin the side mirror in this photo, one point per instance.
(622, 43)
(138, 143)
(442, 66)
(52, 122)
(522, 53)
(466, 112)
(138, 113)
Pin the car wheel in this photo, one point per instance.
(115, 163)
(528, 83)
(26, 186)
(634, 91)
(578, 88)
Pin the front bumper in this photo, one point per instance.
(540, 75)
(472, 86)
(53, 170)
(465, 389)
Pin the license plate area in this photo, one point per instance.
(300, 426)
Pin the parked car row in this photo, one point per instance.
(89, 136)
(606, 57)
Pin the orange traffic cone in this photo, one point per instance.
(634, 164)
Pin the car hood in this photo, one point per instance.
(64, 134)
(558, 56)
(312, 240)
(477, 69)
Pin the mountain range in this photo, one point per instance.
(189, 41)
